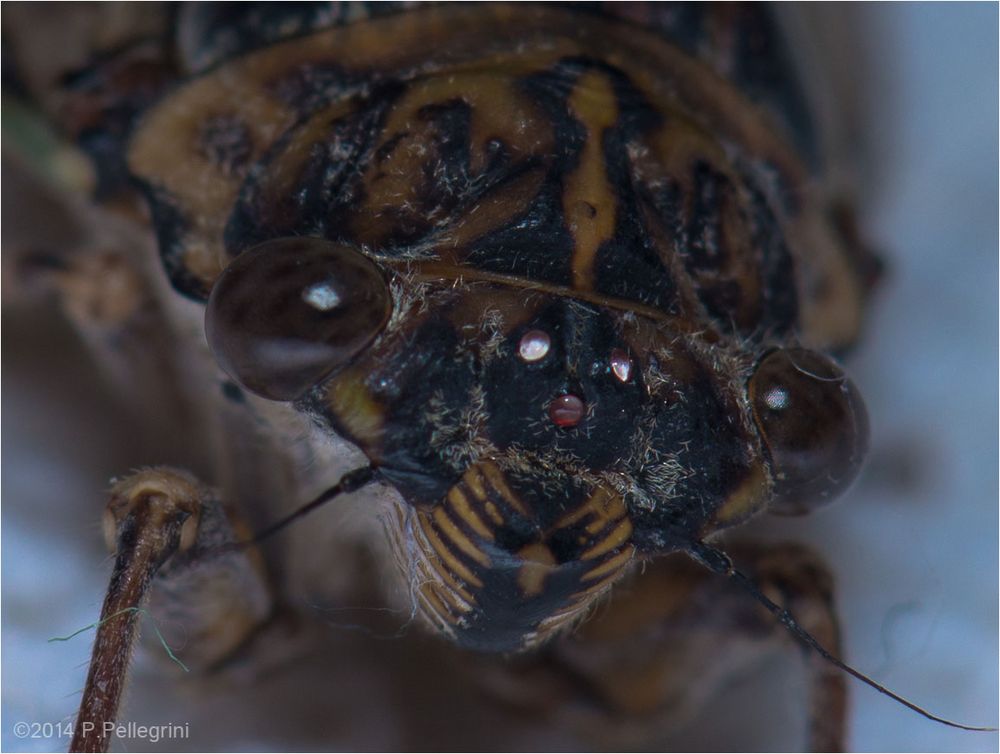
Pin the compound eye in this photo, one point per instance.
(286, 313)
(814, 425)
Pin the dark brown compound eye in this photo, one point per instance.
(286, 313)
(814, 425)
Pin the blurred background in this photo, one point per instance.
(913, 545)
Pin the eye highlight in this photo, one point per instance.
(814, 424)
(322, 296)
(621, 364)
(286, 313)
(534, 346)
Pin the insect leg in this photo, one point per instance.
(171, 537)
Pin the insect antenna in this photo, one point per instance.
(719, 562)
(351, 481)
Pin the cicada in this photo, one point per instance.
(543, 300)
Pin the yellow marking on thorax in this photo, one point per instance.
(497, 110)
(588, 200)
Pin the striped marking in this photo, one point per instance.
(434, 603)
(449, 531)
(430, 568)
(606, 530)
(472, 480)
(444, 552)
(448, 595)
(442, 599)
(445, 578)
(495, 478)
(612, 565)
(492, 512)
(599, 587)
(449, 541)
(603, 507)
(612, 541)
(448, 560)
(464, 511)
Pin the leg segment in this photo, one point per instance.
(175, 553)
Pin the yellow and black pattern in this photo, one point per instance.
(539, 144)
(494, 572)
